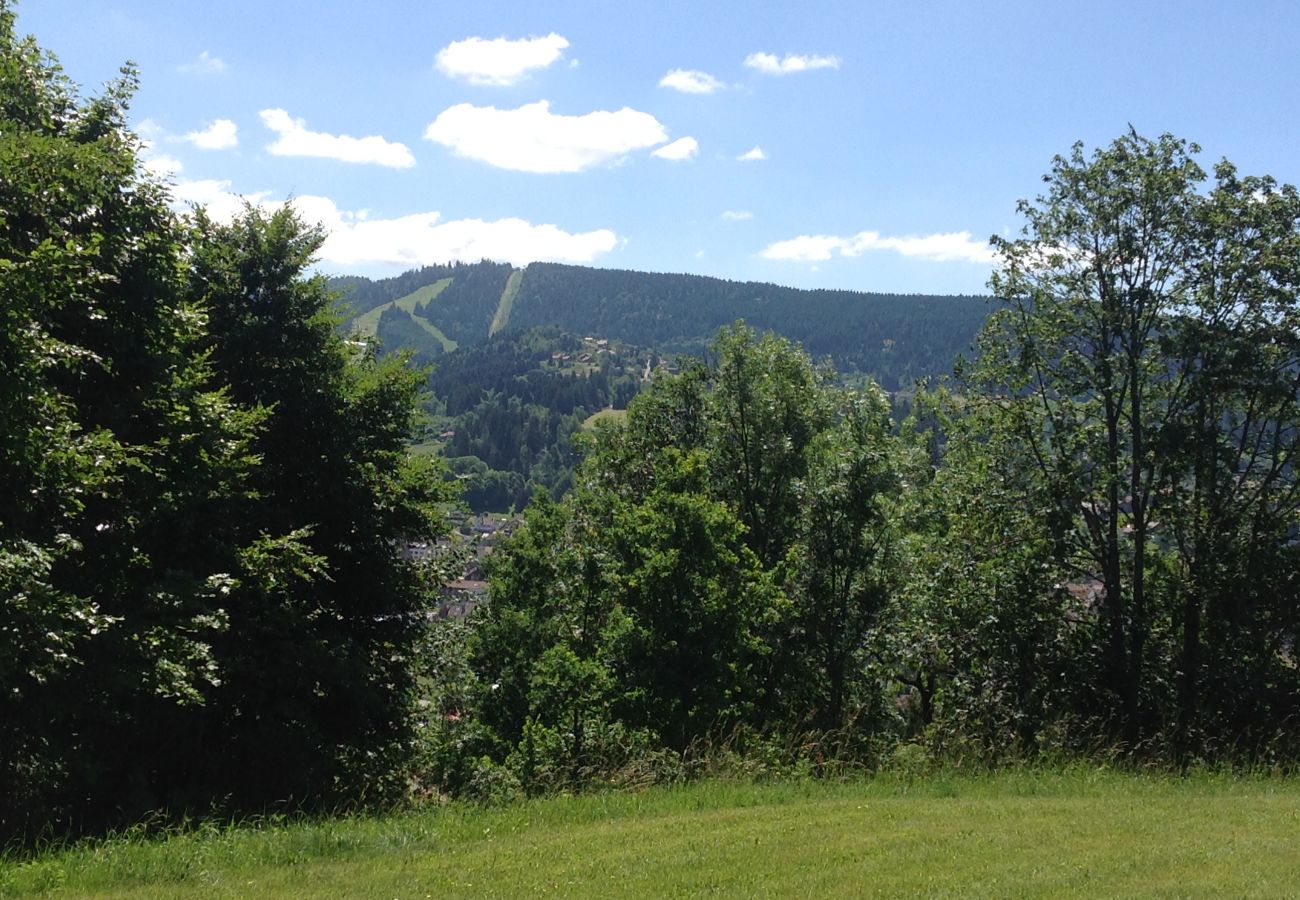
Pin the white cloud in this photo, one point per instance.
(691, 81)
(421, 239)
(533, 139)
(220, 135)
(754, 155)
(679, 150)
(206, 64)
(955, 246)
(160, 164)
(500, 61)
(737, 215)
(770, 64)
(804, 248)
(354, 239)
(149, 131)
(215, 196)
(295, 140)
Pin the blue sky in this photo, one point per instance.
(870, 145)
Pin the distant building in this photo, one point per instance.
(458, 599)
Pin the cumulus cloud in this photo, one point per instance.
(533, 139)
(754, 155)
(220, 135)
(355, 239)
(160, 164)
(215, 196)
(154, 161)
(804, 248)
(295, 140)
(770, 64)
(422, 239)
(691, 81)
(737, 215)
(955, 246)
(679, 150)
(500, 62)
(205, 64)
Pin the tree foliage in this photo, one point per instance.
(332, 625)
(691, 582)
(202, 603)
(1145, 366)
(1090, 536)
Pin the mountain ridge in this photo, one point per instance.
(897, 338)
(537, 351)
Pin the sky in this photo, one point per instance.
(862, 145)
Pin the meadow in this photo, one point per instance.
(1080, 832)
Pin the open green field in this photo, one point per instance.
(1086, 833)
(608, 414)
(368, 323)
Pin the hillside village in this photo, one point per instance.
(472, 539)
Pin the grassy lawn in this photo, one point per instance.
(1076, 834)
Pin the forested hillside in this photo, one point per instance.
(509, 409)
(895, 338)
(513, 380)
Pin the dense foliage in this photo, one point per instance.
(508, 410)
(1087, 540)
(724, 560)
(204, 485)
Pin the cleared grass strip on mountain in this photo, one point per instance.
(368, 323)
(502, 316)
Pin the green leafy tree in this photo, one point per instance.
(698, 607)
(1232, 567)
(844, 560)
(124, 461)
(1144, 364)
(988, 642)
(766, 405)
(206, 490)
(642, 605)
(324, 622)
(45, 460)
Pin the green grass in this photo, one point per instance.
(1085, 833)
(608, 414)
(502, 316)
(426, 448)
(368, 323)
